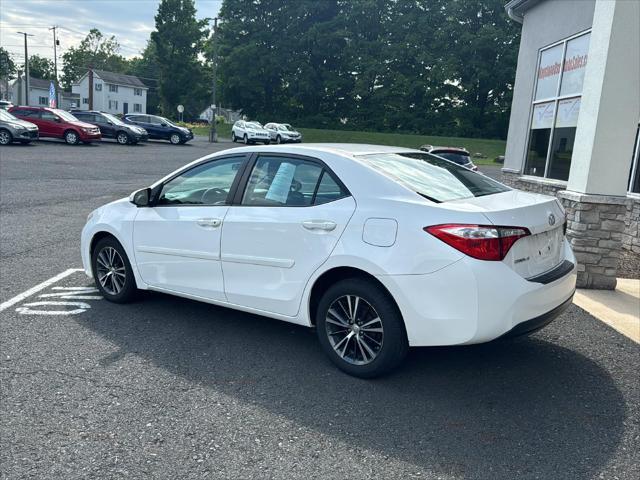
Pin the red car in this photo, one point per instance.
(56, 123)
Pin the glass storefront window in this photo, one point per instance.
(556, 108)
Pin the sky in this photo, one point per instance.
(131, 21)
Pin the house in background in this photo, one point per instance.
(111, 92)
(39, 94)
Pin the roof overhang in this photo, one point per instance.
(517, 8)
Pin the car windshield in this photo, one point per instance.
(458, 157)
(115, 120)
(254, 125)
(65, 116)
(432, 177)
(285, 128)
(6, 116)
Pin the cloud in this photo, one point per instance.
(130, 21)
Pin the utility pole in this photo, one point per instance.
(55, 65)
(26, 68)
(213, 134)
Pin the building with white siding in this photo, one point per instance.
(112, 92)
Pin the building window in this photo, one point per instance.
(137, 107)
(634, 175)
(137, 92)
(98, 87)
(113, 88)
(556, 106)
(85, 101)
(113, 105)
(43, 100)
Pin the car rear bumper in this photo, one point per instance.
(474, 301)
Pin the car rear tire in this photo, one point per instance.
(71, 137)
(123, 138)
(5, 137)
(112, 271)
(175, 139)
(360, 328)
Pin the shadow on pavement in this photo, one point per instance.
(518, 408)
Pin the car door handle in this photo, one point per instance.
(209, 222)
(325, 225)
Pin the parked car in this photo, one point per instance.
(5, 104)
(283, 133)
(160, 128)
(457, 155)
(380, 248)
(13, 129)
(250, 132)
(54, 123)
(112, 127)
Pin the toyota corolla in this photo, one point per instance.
(378, 248)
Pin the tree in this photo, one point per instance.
(41, 67)
(178, 39)
(147, 68)
(7, 66)
(95, 51)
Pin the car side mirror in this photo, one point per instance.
(163, 125)
(57, 120)
(141, 198)
(109, 122)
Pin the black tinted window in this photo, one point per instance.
(459, 158)
(432, 177)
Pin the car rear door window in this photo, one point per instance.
(48, 116)
(432, 177)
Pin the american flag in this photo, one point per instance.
(52, 95)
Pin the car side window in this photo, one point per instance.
(206, 184)
(282, 182)
(48, 116)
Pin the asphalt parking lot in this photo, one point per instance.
(170, 388)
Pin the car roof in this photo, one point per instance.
(449, 149)
(355, 148)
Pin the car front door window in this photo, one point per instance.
(207, 184)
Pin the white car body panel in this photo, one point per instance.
(263, 260)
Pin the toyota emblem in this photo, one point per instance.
(552, 219)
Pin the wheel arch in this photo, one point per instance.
(331, 276)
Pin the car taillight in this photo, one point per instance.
(484, 242)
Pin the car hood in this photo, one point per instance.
(22, 123)
(289, 132)
(80, 124)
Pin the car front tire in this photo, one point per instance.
(123, 138)
(175, 139)
(278, 139)
(71, 137)
(5, 137)
(360, 328)
(112, 271)
(233, 137)
(245, 139)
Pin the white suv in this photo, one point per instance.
(249, 132)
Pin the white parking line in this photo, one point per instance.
(27, 293)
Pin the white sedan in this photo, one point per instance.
(378, 248)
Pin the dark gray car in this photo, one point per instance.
(13, 129)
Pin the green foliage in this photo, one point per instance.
(437, 66)
(178, 39)
(95, 51)
(147, 68)
(7, 66)
(41, 67)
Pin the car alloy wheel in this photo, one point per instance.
(175, 139)
(233, 137)
(354, 330)
(71, 137)
(5, 137)
(122, 138)
(278, 140)
(111, 271)
(246, 139)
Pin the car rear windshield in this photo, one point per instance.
(457, 157)
(432, 177)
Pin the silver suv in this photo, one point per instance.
(13, 129)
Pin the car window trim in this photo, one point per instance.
(157, 190)
(237, 199)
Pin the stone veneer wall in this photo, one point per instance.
(598, 227)
(631, 232)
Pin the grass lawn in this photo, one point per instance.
(489, 148)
